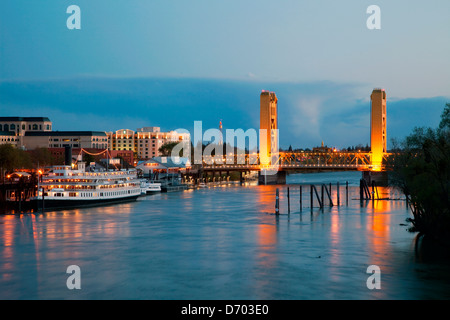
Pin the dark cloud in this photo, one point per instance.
(336, 113)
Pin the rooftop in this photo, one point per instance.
(37, 119)
(64, 133)
(7, 133)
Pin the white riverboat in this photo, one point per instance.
(64, 187)
(150, 187)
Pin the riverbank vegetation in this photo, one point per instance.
(421, 169)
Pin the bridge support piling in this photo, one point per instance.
(271, 178)
(380, 177)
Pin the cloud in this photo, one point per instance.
(337, 113)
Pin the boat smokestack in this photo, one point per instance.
(68, 155)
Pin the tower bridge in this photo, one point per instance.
(269, 159)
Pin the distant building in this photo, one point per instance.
(161, 168)
(12, 129)
(144, 142)
(378, 125)
(9, 137)
(20, 125)
(78, 154)
(60, 139)
(269, 122)
(322, 149)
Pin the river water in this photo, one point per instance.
(223, 242)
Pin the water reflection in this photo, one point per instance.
(218, 243)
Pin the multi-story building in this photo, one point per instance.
(9, 137)
(12, 129)
(20, 125)
(144, 142)
(61, 139)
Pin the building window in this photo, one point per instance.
(35, 126)
(12, 127)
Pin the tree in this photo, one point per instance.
(12, 158)
(422, 171)
(166, 149)
(42, 157)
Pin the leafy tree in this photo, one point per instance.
(12, 158)
(42, 157)
(422, 171)
(166, 149)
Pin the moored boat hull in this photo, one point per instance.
(61, 204)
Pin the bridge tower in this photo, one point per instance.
(268, 143)
(377, 127)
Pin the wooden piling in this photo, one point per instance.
(289, 201)
(322, 194)
(337, 193)
(301, 195)
(346, 192)
(277, 202)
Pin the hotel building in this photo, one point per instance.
(144, 142)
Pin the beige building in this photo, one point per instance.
(9, 138)
(378, 141)
(20, 125)
(60, 139)
(144, 142)
(13, 129)
(269, 122)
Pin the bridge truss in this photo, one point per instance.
(294, 161)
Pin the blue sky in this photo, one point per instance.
(134, 60)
